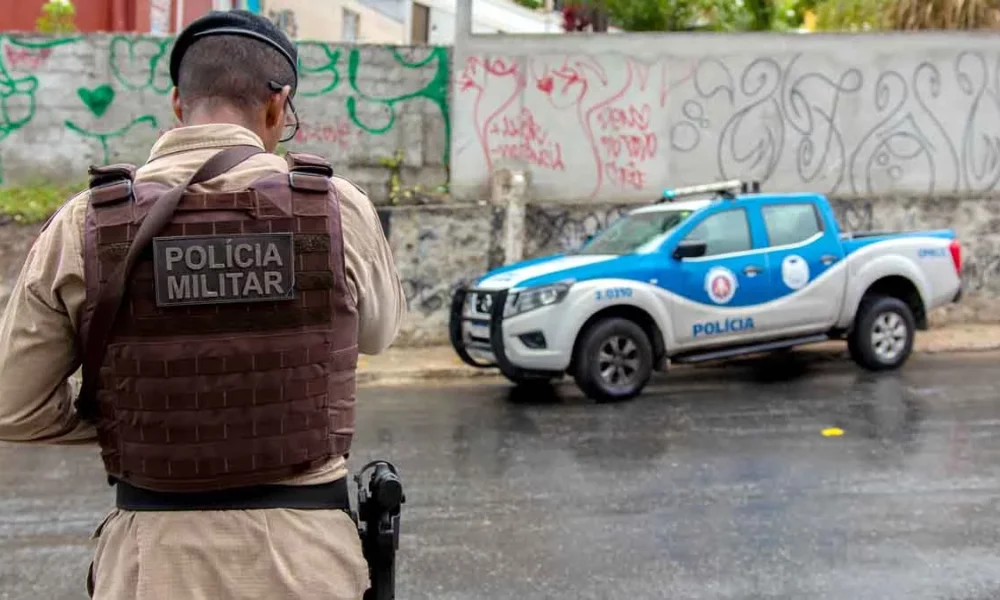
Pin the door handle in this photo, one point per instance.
(827, 259)
(751, 271)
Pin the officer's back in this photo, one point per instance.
(218, 325)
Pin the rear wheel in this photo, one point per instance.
(614, 360)
(882, 338)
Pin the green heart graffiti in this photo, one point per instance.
(98, 99)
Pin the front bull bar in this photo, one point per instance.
(495, 346)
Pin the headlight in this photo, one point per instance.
(533, 298)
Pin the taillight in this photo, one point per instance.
(956, 256)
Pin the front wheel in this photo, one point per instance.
(614, 360)
(882, 338)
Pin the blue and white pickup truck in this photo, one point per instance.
(737, 273)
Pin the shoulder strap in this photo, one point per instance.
(110, 295)
(111, 184)
(308, 172)
(302, 162)
(108, 184)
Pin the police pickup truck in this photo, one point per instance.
(736, 273)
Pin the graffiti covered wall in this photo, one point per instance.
(618, 118)
(71, 102)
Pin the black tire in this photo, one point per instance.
(892, 345)
(634, 362)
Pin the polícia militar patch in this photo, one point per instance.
(223, 269)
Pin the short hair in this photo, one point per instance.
(233, 70)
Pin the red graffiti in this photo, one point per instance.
(522, 138)
(602, 117)
(476, 69)
(637, 147)
(340, 133)
(630, 117)
(477, 75)
(625, 176)
(26, 59)
(546, 85)
(627, 143)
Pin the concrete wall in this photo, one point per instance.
(617, 118)
(68, 103)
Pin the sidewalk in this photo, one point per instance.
(401, 366)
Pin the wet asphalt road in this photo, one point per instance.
(715, 484)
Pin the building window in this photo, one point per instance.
(350, 25)
(420, 24)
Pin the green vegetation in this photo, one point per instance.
(400, 194)
(532, 4)
(684, 15)
(780, 15)
(34, 203)
(58, 17)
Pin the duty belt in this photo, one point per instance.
(325, 496)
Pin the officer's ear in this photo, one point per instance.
(175, 103)
(276, 106)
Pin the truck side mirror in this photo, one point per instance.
(690, 249)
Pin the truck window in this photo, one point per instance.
(790, 223)
(724, 232)
(636, 232)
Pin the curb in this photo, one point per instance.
(374, 377)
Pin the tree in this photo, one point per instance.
(862, 15)
(531, 4)
(942, 14)
(585, 15)
(58, 17)
(683, 15)
(850, 15)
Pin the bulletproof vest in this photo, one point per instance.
(229, 357)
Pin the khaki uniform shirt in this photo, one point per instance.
(274, 553)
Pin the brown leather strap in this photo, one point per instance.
(110, 297)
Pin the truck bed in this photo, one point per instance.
(853, 240)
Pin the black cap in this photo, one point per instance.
(233, 22)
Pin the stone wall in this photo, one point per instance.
(67, 103)
(439, 248)
(612, 118)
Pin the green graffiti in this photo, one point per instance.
(98, 99)
(17, 95)
(141, 63)
(435, 91)
(307, 72)
(104, 137)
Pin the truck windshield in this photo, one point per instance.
(636, 232)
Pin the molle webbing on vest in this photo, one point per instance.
(202, 388)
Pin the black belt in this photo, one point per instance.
(325, 496)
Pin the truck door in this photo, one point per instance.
(717, 294)
(806, 276)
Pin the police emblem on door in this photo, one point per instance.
(794, 272)
(720, 283)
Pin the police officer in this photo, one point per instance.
(217, 298)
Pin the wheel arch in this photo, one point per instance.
(625, 311)
(901, 288)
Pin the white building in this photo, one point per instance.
(433, 21)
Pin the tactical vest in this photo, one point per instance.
(231, 358)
